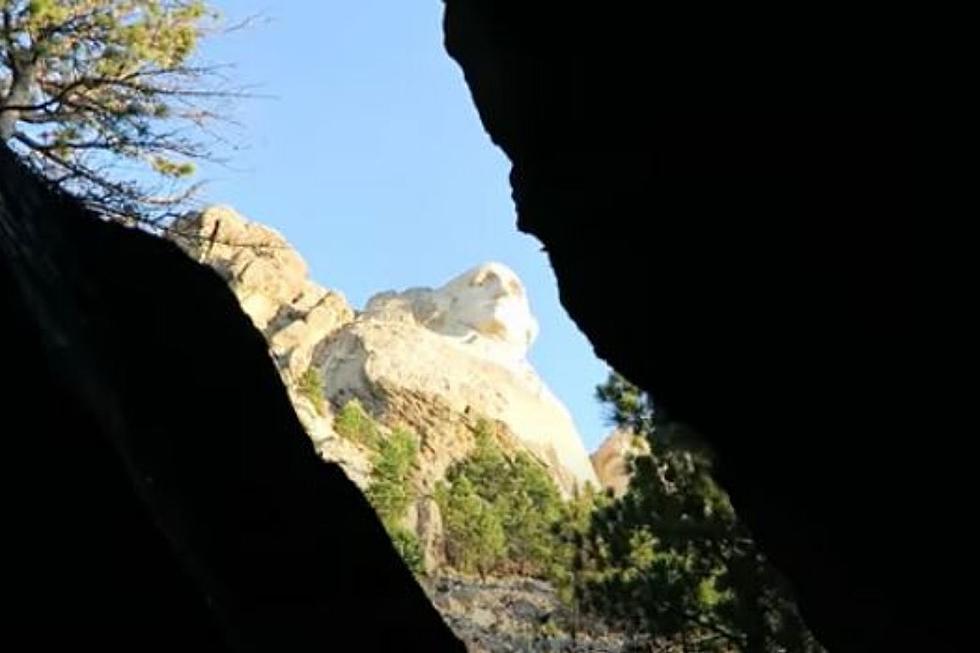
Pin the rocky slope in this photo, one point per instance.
(516, 615)
(437, 361)
(462, 346)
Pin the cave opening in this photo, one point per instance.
(377, 309)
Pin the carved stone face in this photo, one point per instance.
(492, 301)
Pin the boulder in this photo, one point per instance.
(611, 459)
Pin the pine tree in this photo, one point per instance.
(499, 512)
(670, 557)
(87, 84)
(391, 491)
(353, 422)
(475, 539)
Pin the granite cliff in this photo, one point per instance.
(437, 361)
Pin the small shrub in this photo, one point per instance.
(390, 491)
(353, 423)
(408, 547)
(311, 386)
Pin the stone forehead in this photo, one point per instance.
(477, 273)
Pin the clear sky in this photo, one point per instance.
(370, 158)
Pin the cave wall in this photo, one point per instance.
(752, 216)
(159, 493)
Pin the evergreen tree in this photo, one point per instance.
(670, 558)
(391, 491)
(475, 539)
(353, 422)
(499, 512)
(529, 506)
(85, 84)
(311, 386)
(570, 565)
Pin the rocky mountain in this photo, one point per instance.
(435, 361)
(440, 362)
(461, 347)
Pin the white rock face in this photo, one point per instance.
(485, 307)
(434, 360)
(466, 343)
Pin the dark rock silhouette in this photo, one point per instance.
(159, 493)
(752, 217)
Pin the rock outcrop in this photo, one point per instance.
(270, 280)
(437, 361)
(462, 345)
(611, 459)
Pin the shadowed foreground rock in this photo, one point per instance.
(766, 199)
(159, 493)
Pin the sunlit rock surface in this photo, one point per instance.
(438, 361)
(611, 460)
(465, 343)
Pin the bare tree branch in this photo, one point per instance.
(88, 85)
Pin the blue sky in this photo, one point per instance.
(370, 158)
